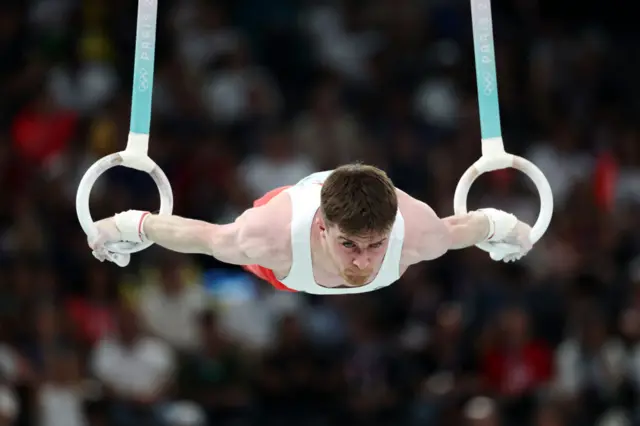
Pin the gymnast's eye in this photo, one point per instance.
(348, 244)
(376, 245)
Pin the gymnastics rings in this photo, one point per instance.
(134, 157)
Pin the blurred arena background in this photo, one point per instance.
(254, 94)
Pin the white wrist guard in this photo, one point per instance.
(500, 224)
(130, 224)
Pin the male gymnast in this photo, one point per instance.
(344, 231)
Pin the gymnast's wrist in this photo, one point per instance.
(501, 223)
(490, 225)
(130, 224)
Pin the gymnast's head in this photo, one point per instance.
(358, 209)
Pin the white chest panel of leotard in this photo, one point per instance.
(305, 201)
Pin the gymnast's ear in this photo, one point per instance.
(321, 223)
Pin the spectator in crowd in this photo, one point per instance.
(136, 371)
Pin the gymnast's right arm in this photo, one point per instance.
(229, 243)
(243, 242)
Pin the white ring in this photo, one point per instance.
(484, 165)
(90, 178)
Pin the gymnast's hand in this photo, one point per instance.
(510, 239)
(107, 233)
(515, 245)
(124, 226)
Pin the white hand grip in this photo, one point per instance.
(502, 160)
(126, 159)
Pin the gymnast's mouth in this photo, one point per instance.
(357, 279)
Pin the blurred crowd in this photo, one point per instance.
(253, 94)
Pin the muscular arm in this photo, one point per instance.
(251, 239)
(428, 237)
(259, 236)
(194, 236)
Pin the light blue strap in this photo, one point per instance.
(485, 57)
(143, 67)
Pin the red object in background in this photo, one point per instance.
(519, 371)
(91, 321)
(39, 137)
(502, 179)
(605, 180)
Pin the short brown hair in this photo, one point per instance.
(359, 199)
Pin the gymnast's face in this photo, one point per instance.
(358, 258)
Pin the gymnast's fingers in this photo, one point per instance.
(119, 259)
(99, 255)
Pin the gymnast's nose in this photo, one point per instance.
(361, 261)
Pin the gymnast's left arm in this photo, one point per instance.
(430, 236)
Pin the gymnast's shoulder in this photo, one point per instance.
(426, 237)
(266, 231)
